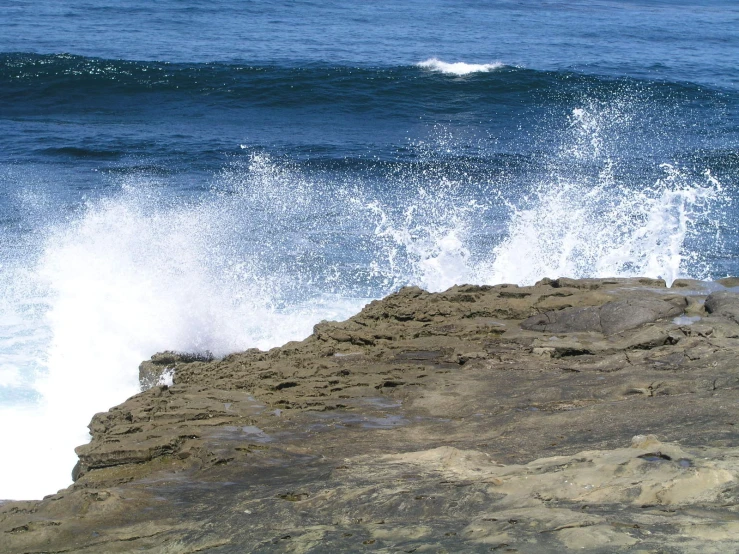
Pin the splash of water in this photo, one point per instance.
(582, 221)
(574, 230)
(269, 251)
(424, 242)
(131, 276)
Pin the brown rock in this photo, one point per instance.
(723, 303)
(474, 419)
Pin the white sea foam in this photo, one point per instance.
(580, 218)
(132, 276)
(166, 379)
(458, 68)
(10, 376)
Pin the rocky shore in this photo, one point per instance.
(600, 415)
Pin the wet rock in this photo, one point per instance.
(630, 313)
(729, 282)
(687, 284)
(611, 318)
(723, 303)
(151, 371)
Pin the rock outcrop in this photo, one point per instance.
(596, 414)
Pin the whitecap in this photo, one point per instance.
(458, 68)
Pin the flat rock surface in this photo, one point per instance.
(598, 415)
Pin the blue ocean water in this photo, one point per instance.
(196, 176)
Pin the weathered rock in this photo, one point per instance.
(729, 282)
(493, 417)
(723, 303)
(610, 318)
(151, 371)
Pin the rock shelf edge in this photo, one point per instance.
(592, 414)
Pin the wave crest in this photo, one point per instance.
(458, 68)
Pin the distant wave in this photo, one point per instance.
(458, 68)
(78, 84)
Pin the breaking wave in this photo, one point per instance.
(607, 231)
(458, 68)
(270, 249)
(586, 218)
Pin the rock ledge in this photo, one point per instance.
(596, 414)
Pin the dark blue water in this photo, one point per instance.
(677, 40)
(221, 175)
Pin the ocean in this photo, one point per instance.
(215, 176)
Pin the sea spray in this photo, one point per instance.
(271, 248)
(587, 216)
(568, 229)
(133, 275)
